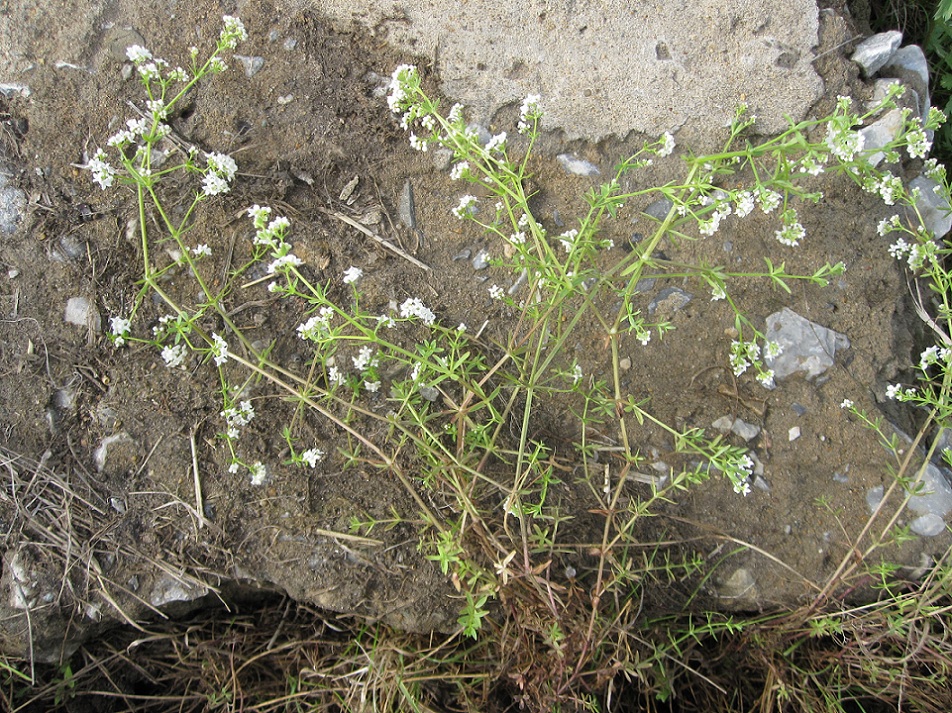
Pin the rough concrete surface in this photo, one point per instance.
(610, 67)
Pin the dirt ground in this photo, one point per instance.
(301, 128)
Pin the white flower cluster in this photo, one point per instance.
(219, 349)
(318, 326)
(352, 274)
(843, 142)
(738, 470)
(792, 231)
(220, 173)
(888, 186)
(120, 327)
(174, 355)
(897, 393)
(237, 417)
(413, 307)
(915, 255)
(271, 235)
(666, 145)
(466, 207)
(312, 456)
(232, 33)
(529, 113)
(745, 354)
(103, 173)
(934, 355)
(917, 142)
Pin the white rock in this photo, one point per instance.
(793, 434)
(873, 52)
(576, 165)
(880, 133)
(80, 311)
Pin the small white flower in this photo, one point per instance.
(213, 184)
(718, 293)
(466, 207)
(233, 32)
(364, 359)
(259, 474)
(496, 143)
(461, 327)
(417, 143)
(772, 349)
(284, 262)
(667, 144)
(744, 204)
(459, 170)
(219, 349)
(334, 376)
(496, 292)
(259, 215)
(312, 456)
(202, 250)
(222, 164)
(528, 113)
(768, 199)
(120, 329)
(372, 386)
(576, 374)
(103, 173)
(352, 274)
(847, 404)
(138, 54)
(174, 355)
(233, 468)
(766, 379)
(894, 391)
(414, 307)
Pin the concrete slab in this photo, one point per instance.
(610, 67)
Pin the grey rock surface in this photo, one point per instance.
(874, 52)
(808, 347)
(934, 210)
(12, 202)
(610, 67)
(880, 133)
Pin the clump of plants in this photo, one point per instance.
(429, 404)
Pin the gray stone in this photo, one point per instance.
(169, 590)
(12, 203)
(880, 133)
(611, 67)
(747, 431)
(252, 65)
(908, 63)
(874, 496)
(669, 301)
(928, 525)
(481, 261)
(934, 209)
(659, 209)
(933, 494)
(82, 312)
(578, 166)
(806, 346)
(11, 89)
(874, 52)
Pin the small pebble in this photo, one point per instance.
(793, 434)
(625, 363)
(578, 166)
(481, 261)
(252, 65)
